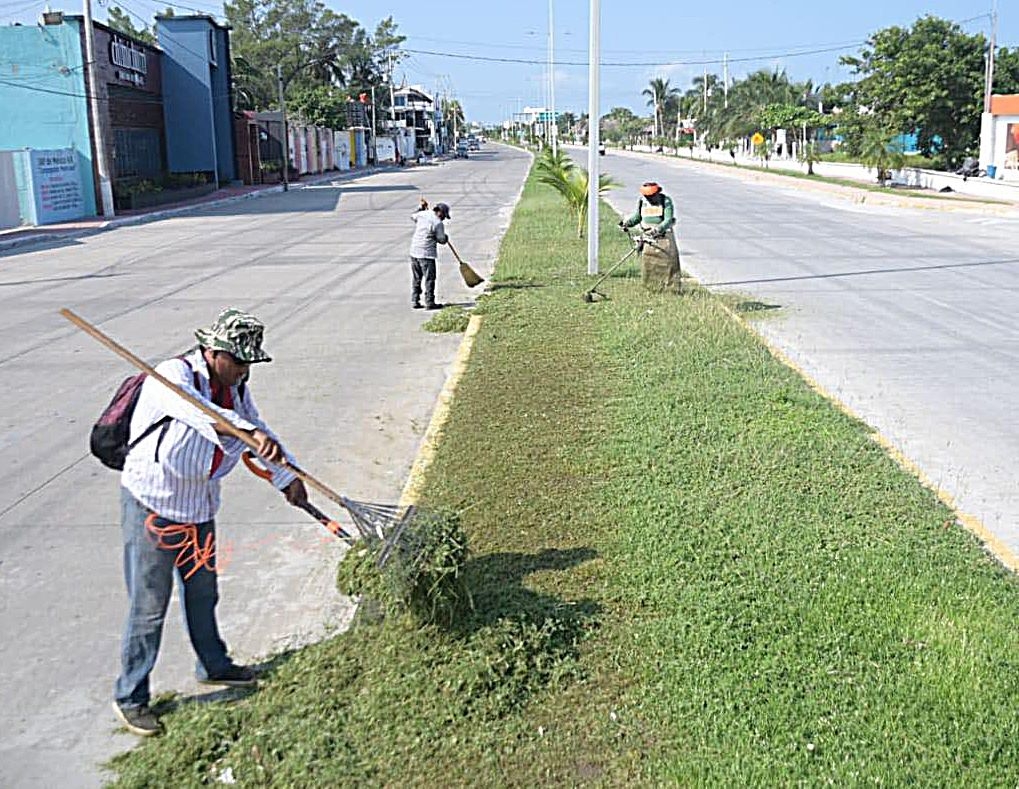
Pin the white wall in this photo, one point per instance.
(10, 213)
(1007, 189)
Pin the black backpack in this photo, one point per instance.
(109, 439)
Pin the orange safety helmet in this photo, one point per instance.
(650, 188)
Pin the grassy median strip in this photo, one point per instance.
(686, 567)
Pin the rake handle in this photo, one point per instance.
(307, 506)
(220, 422)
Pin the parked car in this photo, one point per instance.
(472, 144)
(460, 152)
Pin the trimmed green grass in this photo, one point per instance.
(687, 568)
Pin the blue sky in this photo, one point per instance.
(665, 37)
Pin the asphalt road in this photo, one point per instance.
(906, 316)
(351, 390)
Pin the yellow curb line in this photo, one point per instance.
(1005, 555)
(429, 444)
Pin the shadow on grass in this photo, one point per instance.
(172, 702)
(514, 284)
(496, 581)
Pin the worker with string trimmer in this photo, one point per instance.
(170, 492)
(658, 251)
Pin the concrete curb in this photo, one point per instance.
(440, 416)
(991, 542)
(139, 219)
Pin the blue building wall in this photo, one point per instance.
(196, 95)
(42, 94)
(222, 106)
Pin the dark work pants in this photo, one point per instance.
(423, 271)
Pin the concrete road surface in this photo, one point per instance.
(351, 390)
(908, 317)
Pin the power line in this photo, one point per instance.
(643, 51)
(637, 64)
(134, 99)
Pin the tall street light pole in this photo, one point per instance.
(593, 137)
(98, 129)
(551, 76)
(989, 75)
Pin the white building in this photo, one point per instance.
(999, 138)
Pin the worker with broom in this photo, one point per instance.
(658, 251)
(169, 497)
(429, 231)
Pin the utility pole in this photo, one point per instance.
(654, 98)
(392, 95)
(374, 149)
(705, 86)
(98, 132)
(989, 76)
(593, 137)
(725, 77)
(286, 136)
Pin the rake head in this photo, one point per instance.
(383, 522)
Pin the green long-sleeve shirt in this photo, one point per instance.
(650, 216)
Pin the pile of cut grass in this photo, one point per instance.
(686, 567)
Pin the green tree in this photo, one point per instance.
(317, 50)
(621, 126)
(929, 79)
(121, 22)
(567, 124)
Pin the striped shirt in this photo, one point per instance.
(178, 481)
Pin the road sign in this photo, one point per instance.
(757, 139)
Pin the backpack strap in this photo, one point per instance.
(163, 423)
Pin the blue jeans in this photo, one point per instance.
(149, 573)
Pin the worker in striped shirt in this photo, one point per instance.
(169, 498)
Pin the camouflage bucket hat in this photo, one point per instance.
(238, 333)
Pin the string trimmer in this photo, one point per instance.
(382, 522)
(638, 245)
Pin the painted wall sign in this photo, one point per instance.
(56, 186)
(132, 63)
(1012, 146)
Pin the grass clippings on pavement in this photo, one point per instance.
(448, 319)
(686, 567)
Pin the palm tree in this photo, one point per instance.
(881, 151)
(558, 171)
(658, 92)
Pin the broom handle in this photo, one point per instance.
(453, 250)
(222, 423)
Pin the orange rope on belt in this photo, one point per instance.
(183, 538)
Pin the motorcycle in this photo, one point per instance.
(970, 169)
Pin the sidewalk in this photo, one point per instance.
(23, 236)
